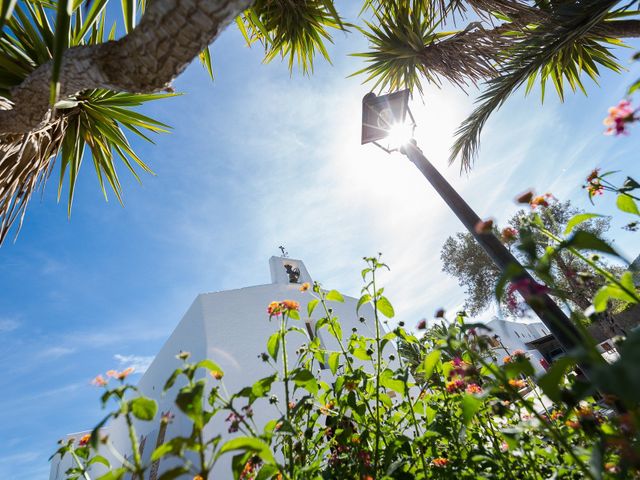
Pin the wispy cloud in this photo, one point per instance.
(140, 364)
(8, 325)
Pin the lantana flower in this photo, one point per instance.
(440, 462)
(120, 375)
(618, 118)
(455, 386)
(509, 234)
(304, 287)
(473, 388)
(84, 440)
(99, 381)
(517, 383)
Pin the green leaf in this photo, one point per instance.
(429, 363)
(61, 42)
(583, 240)
(334, 359)
(627, 204)
(99, 459)
(366, 298)
(273, 345)
(174, 473)
(578, 219)
(144, 408)
(263, 386)
(209, 365)
(387, 381)
(249, 444)
(305, 379)
(116, 474)
(550, 382)
(335, 296)
(311, 306)
(470, 405)
(384, 307)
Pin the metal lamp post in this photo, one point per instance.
(384, 115)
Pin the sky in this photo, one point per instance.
(257, 159)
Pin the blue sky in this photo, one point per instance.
(257, 159)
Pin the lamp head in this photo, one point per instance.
(384, 118)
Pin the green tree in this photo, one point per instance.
(68, 85)
(574, 281)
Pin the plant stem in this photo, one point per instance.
(378, 361)
(285, 366)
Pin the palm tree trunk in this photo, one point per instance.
(171, 33)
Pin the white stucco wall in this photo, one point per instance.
(230, 328)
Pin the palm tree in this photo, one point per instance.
(68, 91)
(68, 88)
(511, 43)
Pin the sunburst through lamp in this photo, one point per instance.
(388, 123)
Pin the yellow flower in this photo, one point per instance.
(305, 286)
(217, 374)
(517, 383)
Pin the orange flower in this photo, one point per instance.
(506, 359)
(112, 373)
(198, 477)
(572, 424)
(84, 440)
(217, 374)
(455, 386)
(517, 383)
(326, 410)
(541, 201)
(289, 305)
(274, 309)
(99, 381)
(440, 462)
(125, 373)
(473, 388)
(305, 286)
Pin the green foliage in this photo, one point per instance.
(446, 408)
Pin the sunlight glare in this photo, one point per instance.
(399, 135)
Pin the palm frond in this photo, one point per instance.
(93, 123)
(405, 49)
(558, 49)
(296, 31)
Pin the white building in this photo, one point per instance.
(519, 334)
(230, 328)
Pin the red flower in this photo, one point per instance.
(84, 440)
(509, 234)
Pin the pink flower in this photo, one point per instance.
(99, 381)
(618, 118)
(473, 388)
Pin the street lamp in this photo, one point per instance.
(388, 123)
